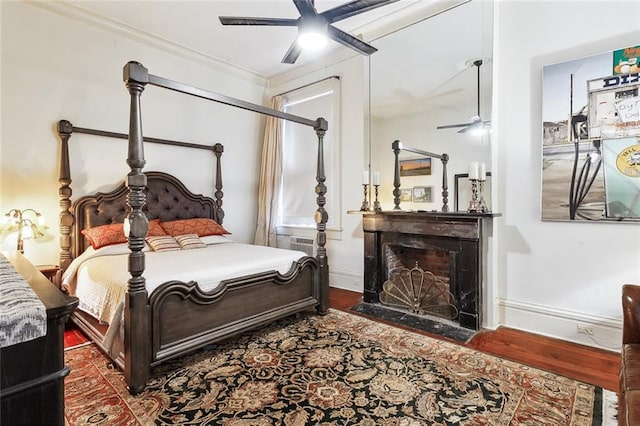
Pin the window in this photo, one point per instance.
(299, 163)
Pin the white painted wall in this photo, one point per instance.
(552, 275)
(57, 64)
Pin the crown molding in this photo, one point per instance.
(71, 11)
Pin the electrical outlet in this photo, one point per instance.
(583, 329)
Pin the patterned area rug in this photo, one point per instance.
(340, 369)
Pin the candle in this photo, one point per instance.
(376, 178)
(365, 177)
(473, 170)
(483, 172)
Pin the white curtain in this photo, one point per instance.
(270, 176)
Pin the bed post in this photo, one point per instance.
(137, 333)
(65, 129)
(218, 149)
(321, 218)
(395, 145)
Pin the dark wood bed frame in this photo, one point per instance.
(178, 317)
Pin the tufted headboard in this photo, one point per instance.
(167, 199)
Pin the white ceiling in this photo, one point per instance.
(435, 50)
(259, 49)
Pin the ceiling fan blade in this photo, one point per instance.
(348, 10)
(454, 126)
(292, 54)
(305, 7)
(239, 20)
(476, 125)
(350, 41)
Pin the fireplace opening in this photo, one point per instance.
(420, 281)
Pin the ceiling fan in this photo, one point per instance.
(312, 21)
(476, 120)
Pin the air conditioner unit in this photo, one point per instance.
(305, 244)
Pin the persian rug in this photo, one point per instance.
(340, 369)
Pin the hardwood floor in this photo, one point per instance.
(584, 363)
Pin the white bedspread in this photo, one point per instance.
(99, 277)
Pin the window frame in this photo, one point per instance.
(333, 176)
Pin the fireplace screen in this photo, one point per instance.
(423, 292)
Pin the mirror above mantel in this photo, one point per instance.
(425, 76)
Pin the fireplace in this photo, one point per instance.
(419, 280)
(426, 265)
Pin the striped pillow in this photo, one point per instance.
(163, 243)
(189, 241)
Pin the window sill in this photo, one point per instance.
(333, 232)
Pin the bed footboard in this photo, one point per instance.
(236, 306)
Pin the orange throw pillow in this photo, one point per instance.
(155, 229)
(105, 235)
(198, 226)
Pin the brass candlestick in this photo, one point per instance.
(365, 203)
(376, 203)
(482, 205)
(474, 203)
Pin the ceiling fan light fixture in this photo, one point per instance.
(479, 128)
(314, 29)
(312, 40)
(312, 34)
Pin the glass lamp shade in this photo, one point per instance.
(36, 231)
(27, 231)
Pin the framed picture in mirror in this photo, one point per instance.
(422, 194)
(462, 192)
(406, 195)
(415, 167)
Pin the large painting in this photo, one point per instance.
(591, 138)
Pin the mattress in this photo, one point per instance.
(99, 278)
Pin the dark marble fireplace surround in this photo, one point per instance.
(460, 235)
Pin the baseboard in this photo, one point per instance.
(562, 324)
(346, 280)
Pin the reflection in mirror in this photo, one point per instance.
(434, 73)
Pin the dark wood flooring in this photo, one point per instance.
(584, 363)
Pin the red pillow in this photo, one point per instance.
(100, 236)
(198, 226)
(155, 229)
(105, 235)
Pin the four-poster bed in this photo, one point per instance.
(178, 316)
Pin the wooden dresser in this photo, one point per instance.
(33, 372)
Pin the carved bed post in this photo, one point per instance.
(218, 149)
(65, 129)
(396, 174)
(321, 218)
(445, 185)
(137, 333)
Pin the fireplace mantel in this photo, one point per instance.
(462, 234)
